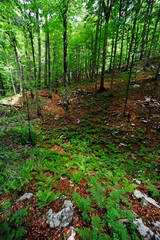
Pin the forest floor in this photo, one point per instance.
(90, 155)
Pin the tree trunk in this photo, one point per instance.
(130, 74)
(107, 11)
(14, 89)
(110, 66)
(49, 66)
(39, 51)
(133, 33)
(35, 74)
(65, 75)
(147, 59)
(2, 89)
(144, 31)
(21, 73)
(115, 49)
(96, 42)
(46, 55)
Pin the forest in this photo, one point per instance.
(79, 119)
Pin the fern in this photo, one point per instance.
(98, 193)
(12, 229)
(94, 233)
(46, 197)
(84, 205)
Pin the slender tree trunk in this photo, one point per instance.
(107, 10)
(65, 75)
(155, 27)
(144, 31)
(133, 33)
(30, 77)
(110, 66)
(2, 89)
(115, 49)
(46, 60)
(18, 67)
(39, 50)
(21, 73)
(96, 42)
(49, 66)
(129, 79)
(102, 88)
(14, 89)
(35, 74)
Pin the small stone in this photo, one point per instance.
(56, 118)
(144, 121)
(136, 85)
(138, 195)
(145, 231)
(156, 224)
(136, 181)
(144, 202)
(132, 82)
(78, 121)
(59, 102)
(122, 145)
(26, 196)
(133, 157)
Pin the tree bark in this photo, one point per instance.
(14, 89)
(130, 74)
(2, 90)
(96, 42)
(65, 75)
(46, 60)
(49, 66)
(107, 11)
(39, 51)
(155, 27)
(133, 33)
(115, 49)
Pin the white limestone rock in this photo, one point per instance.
(26, 196)
(137, 194)
(63, 218)
(145, 231)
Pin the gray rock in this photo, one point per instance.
(56, 118)
(73, 234)
(156, 224)
(147, 100)
(152, 67)
(26, 196)
(138, 195)
(136, 181)
(122, 145)
(136, 85)
(133, 157)
(145, 231)
(78, 121)
(132, 82)
(144, 202)
(144, 121)
(62, 218)
(59, 102)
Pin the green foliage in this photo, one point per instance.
(12, 229)
(94, 233)
(98, 193)
(152, 188)
(84, 204)
(46, 197)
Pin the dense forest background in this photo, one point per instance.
(55, 43)
(79, 119)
